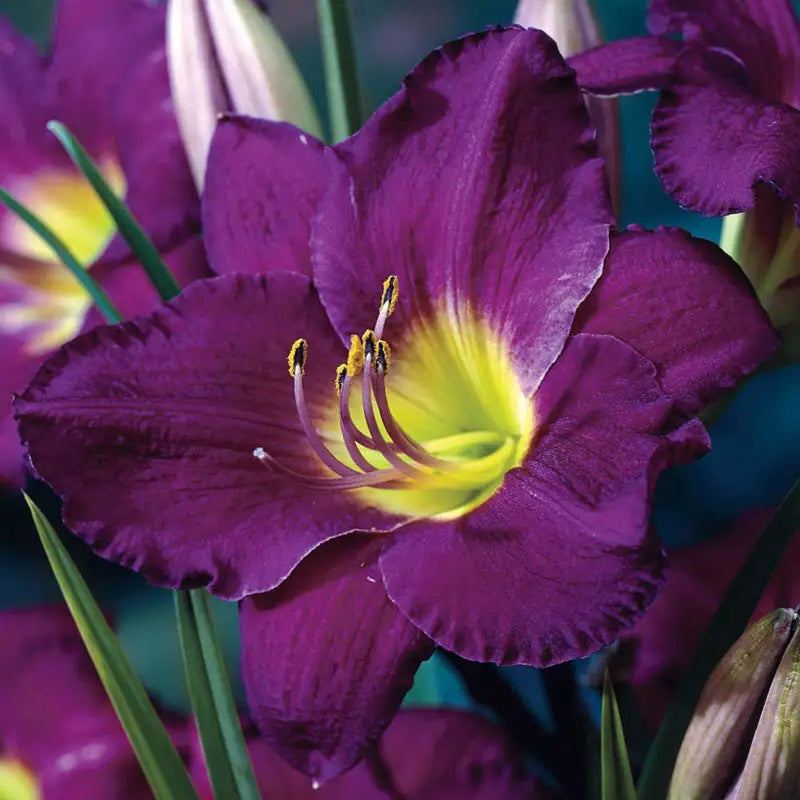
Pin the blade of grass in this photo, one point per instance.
(131, 231)
(64, 254)
(341, 72)
(725, 627)
(157, 756)
(617, 780)
(226, 755)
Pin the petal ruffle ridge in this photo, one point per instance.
(261, 221)
(683, 304)
(478, 185)
(327, 658)
(147, 431)
(708, 121)
(560, 559)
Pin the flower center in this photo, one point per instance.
(429, 433)
(16, 782)
(41, 300)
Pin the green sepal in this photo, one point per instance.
(65, 255)
(131, 231)
(616, 777)
(224, 747)
(160, 762)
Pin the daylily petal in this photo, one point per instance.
(327, 659)
(686, 306)
(765, 34)
(491, 139)
(147, 431)
(561, 555)
(627, 65)
(710, 120)
(55, 717)
(260, 220)
(665, 638)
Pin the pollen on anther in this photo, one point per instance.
(383, 357)
(389, 294)
(297, 357)
(341, 374)
(355, 356)
(368, 343)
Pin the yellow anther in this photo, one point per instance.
(297, 357)
(341, 374)
(368, 343)
(384, 356)
(389, 294)
(355, 356)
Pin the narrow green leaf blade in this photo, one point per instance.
(341, 72)
(726, 626)
(157, 756)
(226, 755)
(132, 232)
(617, 780)
(64, 254)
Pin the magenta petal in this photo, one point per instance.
(147, 431)
(263, 183)
(54, 714)
(686, 306)
(327, 658)
(709, 121)
(560, 559)
(765, 34)
(477, 184)
(627, 65)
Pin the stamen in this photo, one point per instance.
(380, 479)
(297, 359)
(388, 303)
(349, 430)
(355, 356)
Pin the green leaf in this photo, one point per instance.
(616, 781)
(341, 72)
(726, 626)
(64, 254)
(132, 232)
(159, 760)
(224, 747)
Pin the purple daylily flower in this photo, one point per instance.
(726, 130)
(107, 79)
(59, 735)
(486, 489)
(425, 754)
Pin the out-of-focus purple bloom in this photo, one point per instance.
(574, 28)
(59, 734)
(662, 642)
(226, 57)
(498, 502)
(726, 129)
(106, 78)
(425, 754)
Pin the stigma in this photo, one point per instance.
(395, 446)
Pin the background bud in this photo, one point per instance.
(722, 729)
(227, 56)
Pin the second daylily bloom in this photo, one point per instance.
(484, 485)
(726, 129)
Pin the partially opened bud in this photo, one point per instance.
(573, 27)
(227, 56)
(743, 739)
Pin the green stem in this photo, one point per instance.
(341, 71)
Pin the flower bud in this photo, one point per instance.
(227, 56)
(573, 27)
(765, 242)
(743, 739)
